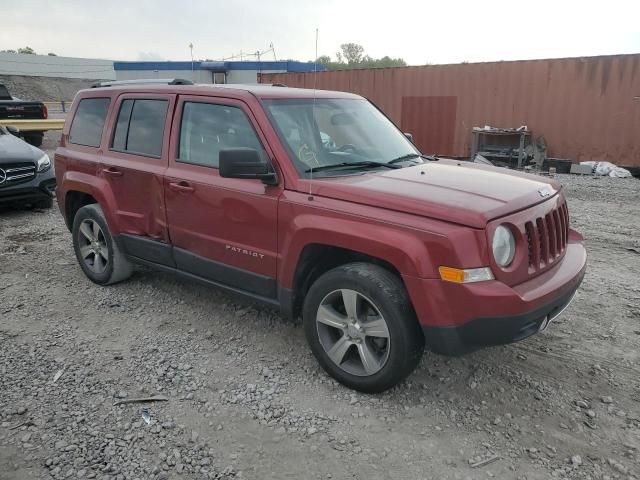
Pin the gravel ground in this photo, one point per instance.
(247, 400)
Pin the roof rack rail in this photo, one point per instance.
(278, 85)
(144, 81)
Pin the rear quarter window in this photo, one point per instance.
(88, 122)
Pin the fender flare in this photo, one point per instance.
(406, 252)
(97, 187)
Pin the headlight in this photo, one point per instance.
(504, 246)
(44, 163)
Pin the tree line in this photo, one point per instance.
(353, 56)
(26, 51)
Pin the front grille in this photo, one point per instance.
(547, 237)
(16, 173)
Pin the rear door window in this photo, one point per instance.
(88, 121)
(122, 125)
(140, 127)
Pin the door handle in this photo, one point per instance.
(112, 172)
(182, 187)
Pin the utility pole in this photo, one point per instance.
(192, 74)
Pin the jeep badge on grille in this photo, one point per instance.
(544, 192)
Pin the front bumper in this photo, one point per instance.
(459, 318)
(41, 187)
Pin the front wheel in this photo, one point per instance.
(361, 327)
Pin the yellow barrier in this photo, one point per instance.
(34, 125)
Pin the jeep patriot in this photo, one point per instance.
(314, 202)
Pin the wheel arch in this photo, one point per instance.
(314, 250)
(82, 189)
(74, 201)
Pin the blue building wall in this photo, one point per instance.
(282, 66)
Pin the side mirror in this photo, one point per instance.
(409, 136)
(13, 130)
(245, 163)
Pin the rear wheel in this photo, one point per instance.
(98, 254)
(361, 327)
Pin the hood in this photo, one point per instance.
(455, 191)
(14, 149)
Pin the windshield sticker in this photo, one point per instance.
(306, 155)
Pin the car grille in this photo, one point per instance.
(547, 237)
(16, 173)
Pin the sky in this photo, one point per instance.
(420, 32)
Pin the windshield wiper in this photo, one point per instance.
(409, 156)
(357, 165)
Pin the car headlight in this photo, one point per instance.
(44, 163)
(504, 246)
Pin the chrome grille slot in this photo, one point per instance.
(529, 230)
(543, 240)
(15, 173)
(551, 233)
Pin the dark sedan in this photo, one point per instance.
(26, 172)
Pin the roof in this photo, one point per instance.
(220, 66)
(270, 91)
(236, 90)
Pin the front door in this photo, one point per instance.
(222, 229)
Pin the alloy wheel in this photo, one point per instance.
(93, 246)
(353, 332)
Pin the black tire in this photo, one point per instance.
(34, 139)
(43, 204)
(385, 291)
(116, 267)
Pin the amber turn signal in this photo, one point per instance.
(471, 275)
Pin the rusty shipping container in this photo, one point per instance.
(587, 108)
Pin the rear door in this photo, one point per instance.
(134, 165)
(222, 229)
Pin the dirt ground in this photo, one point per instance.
(246, 399)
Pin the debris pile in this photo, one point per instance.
(607, 169)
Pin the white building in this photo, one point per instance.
(197, 72)
(209, 71)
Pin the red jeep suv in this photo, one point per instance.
(313, 201)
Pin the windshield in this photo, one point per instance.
(337, 132)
